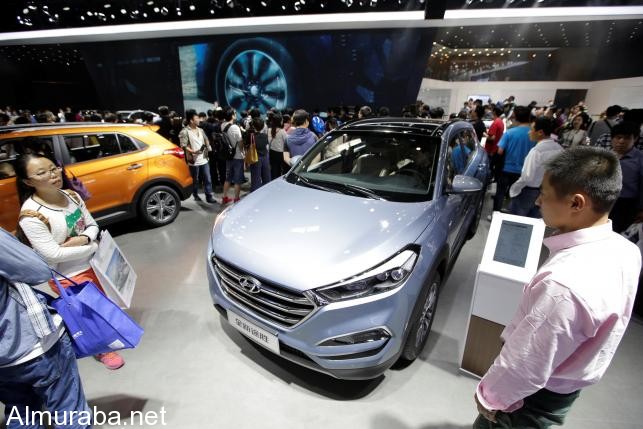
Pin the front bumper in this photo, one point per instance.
(301, 344)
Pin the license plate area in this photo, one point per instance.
(255, 333)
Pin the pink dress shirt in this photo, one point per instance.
(570, 321)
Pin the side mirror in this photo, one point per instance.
(294, 160)
(465, 185)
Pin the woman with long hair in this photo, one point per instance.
(277, 137)
(577, 134)
(57, 225)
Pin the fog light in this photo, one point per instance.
(358, 338)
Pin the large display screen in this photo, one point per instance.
(513, 243)
(306, 70)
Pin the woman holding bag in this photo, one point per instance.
(58, 226)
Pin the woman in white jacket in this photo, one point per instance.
(58, 226)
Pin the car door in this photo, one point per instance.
(110, 165)
(458, 156)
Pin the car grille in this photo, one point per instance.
(279, 306)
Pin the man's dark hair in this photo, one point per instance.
(189, 115)
(202, 115)
(228, 113)
(164, 110)
(300, 117)
(593, 171)
(613, 110)
(257, 124)
(255, 113)
(498, 111)
(522, 114)
(384, 111)
(20, 120)
(479, 112)
(437, 113)
(626, 129)
(111, 118)
(544, 124)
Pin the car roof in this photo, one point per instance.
(432, 127)
(62, 126)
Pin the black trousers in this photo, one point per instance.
(504, 182)
(277, 165)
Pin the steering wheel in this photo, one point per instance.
(412, 173)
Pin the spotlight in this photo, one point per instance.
(164, 11)
(25, 10)
(150, 3)
(89, 13)
(157, 10)
(230, 3)
(123, 11)
(192, 7)
(107, 5)
(66, 8)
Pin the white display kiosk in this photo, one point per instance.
(509, 261)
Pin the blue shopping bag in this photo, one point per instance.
(95, 323)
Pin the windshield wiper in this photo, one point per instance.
(361, 190)
(310, 184)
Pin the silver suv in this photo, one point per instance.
(337, 265)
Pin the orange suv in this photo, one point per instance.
(129, 169)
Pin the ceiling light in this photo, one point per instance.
(89, 13)
(25, 11)
(192, 7)
(157, 10)
(150, 3)
(164, 11)
(123, 11)
(107, 5)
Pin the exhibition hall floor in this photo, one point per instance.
(203, 373)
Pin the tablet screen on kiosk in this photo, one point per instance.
(513, 243)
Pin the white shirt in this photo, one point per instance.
(65, 222)
(196, 140)
(234, 132)
(533, 169)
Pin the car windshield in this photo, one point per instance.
(397, 167)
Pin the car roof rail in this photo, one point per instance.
(44, 126)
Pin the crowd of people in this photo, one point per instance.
(536, 162)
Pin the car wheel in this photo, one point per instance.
(422, 319)
(473, 228)
(159, 205)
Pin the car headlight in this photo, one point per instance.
(220, 217)
(385, 277)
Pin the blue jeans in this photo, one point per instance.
(198, 171)
(260, 172)
(525, 203)
(50, 381)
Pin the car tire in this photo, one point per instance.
(473, 228)
(421, 319)
(159, 205)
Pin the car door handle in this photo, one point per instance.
(134, 166)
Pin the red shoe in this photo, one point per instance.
(111, 360)
(226, 200)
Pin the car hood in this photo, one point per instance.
(303, 238)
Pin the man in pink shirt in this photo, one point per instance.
(575, 310)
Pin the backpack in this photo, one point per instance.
(226, 148)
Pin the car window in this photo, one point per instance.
(10, 149)
(127, 144)
(88, 147)
(394, 166)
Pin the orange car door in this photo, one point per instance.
(111, 168)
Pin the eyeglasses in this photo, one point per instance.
(52, 172)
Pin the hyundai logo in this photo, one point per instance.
(250, 285)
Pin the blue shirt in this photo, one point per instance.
(18, 263)
(516, 145)
(460, 155)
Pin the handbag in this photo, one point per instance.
(95, 324)
(252, 156)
